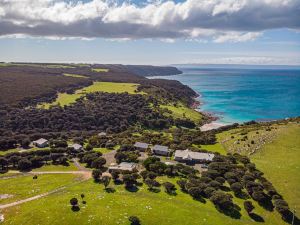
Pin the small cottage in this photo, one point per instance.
(161, 150)
(141, 146)
(188, 156)
(123, 166)
(41, 143)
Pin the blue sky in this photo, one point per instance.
(144, 32)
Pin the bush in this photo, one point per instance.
(222, 200)
(169, 187)
(24, 164)
(134, 220)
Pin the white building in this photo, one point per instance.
(193, 157)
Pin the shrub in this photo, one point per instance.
(134, 220)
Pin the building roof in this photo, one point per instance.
(76, 146)
(189, 155)
(141, 145)
(160, 148)
(41, 141)
(123, 166)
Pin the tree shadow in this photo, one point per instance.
(288, 217)
(75, 208)
(84, 202)
(173, 193)
(232, 212)
(267, 204)
(132, 188)
(154, 190)
(200, 199)
(118, 182)
(256, 217)
(110, 190)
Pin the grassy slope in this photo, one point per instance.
(182, 111)
(278, 158)
(280, 161)
(114, 208)
(66, 99)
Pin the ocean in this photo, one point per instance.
(244, 94)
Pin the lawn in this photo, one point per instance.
(110, 87)
(22, 187)
(102, 150)
(51, 167)
(181, 111)
(115, 208)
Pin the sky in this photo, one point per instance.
(158, 32)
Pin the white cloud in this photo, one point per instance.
(237, 37)
(230, 20)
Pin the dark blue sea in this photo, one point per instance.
(240, 95)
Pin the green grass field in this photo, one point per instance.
(23, 187)
(50, 167)
(100, 70)
(115, 208)
(182, 111)
(110, 87)
(74, 75)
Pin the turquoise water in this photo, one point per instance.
(240, 95)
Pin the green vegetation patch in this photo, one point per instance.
(100, 70)
(181, 111)
(110, 87)
(74, 75)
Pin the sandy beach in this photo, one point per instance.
(212, 125)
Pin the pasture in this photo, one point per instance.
(110, 87)
(114, 208)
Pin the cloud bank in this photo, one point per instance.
(217, 20)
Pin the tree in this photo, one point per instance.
(134, 220)
(150, 183)
(248, 206)
(82, 196)
(236, 187)
(259, 196)
(115, 175)
(14, 160)
(3, 163)
(222, 200)
(74, 201)
(106, 180)
(25, 143)
(98, 163)
(169, 187)
(24, 164)
(129, 180)
(89, 147)
(182, 184)
(281, 206)
(195, 192)
(96, 174)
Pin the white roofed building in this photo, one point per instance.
(193, 157)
